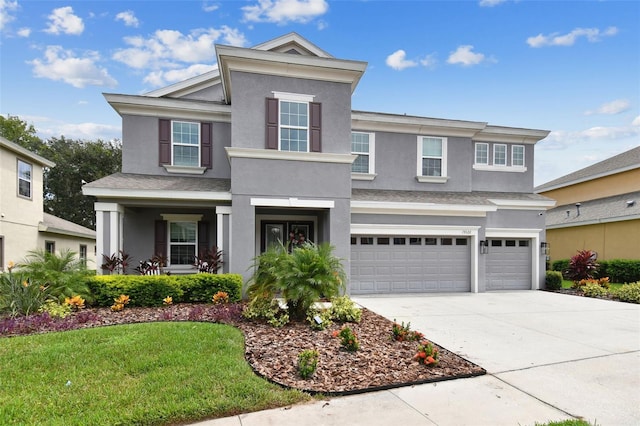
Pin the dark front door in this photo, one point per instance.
(286, 232)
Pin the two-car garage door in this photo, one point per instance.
(402, 264)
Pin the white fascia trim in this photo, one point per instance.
(506, 204)
(163, 107)
(363, 176)
(173, 217)
(292, 202)
(512, 232)
(510, 135)
(295, 97)
(157, 194)
(25, 153)
(492, 168)
(184, 169)
(274, 154)
(428, 230)
(594, 222)
(107, 207)
(428, 209)
(223, 209)
(371, 122)
(51, 230)
(189, 85)
(589, 178)
(287, 39)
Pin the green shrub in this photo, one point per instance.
(348, 339)
(344, 310)
(55, 309)
(200, 288)
(307, 362)
(629, 292)
(594, 290)
(319, 319)
(264, 307)
(553, 280)
(561, 266)
(620, 270)
(19, 295)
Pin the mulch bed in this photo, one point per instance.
(380, 363)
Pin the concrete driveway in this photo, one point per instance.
(548, 357)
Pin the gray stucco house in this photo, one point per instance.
(267, 147)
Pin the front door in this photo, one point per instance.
(292, 233)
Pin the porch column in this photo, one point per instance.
(109, 230)
(223, 234)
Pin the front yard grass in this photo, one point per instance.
(154, 373)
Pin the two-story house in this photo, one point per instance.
(267, 148)
(23, 224)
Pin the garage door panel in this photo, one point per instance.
(508, 267)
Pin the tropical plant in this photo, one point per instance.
(628, 292)
(582, 266)
(209, 260)
(348, 339)
(19, 295)
(594, 290)
(307, 362)
(427, 354)
(403, 333)
(344, 310)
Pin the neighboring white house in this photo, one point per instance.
(23, 224)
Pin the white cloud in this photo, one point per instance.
(161, 78)
(209, 7)
(129, 18)
(48, 127)
(24, 32)
(636, 121)
(6, 7)
(397, 60)
(62, 65)
(429, 61)
(612, 108)
(555, 39)
(464, 56)
(491, 3)
(166, 47)
(283, 11)
(62, 20)
(560, 139)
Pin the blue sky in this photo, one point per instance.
(571, 67)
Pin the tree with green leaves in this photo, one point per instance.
(18, 131)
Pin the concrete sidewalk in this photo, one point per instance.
(548, 357)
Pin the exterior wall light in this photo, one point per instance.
(484, 246)
(544, 248)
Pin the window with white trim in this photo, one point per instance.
(432, 156)
(294, 126)
(482, 153)
(82, 254)
(517, 156)
(182, 242)
(499, 155)
(185, 143)
(25, 171)
(362, 145)
(50, 247)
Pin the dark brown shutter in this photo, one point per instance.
(272, 124)
(315, 126)
(160, 242)
(205, 145)
(203, 237)
(165, 142)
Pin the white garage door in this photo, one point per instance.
(403, 264)
(509, 264)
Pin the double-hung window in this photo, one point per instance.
(432, 159)
(24, 179)
(362, 145)
(185, 143)
(517, 156)
(294, 126)
(182, 242)
(294, 123)
(499, 155)
(482, 153)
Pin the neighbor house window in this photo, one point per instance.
(362, 145)
(499, 155)
(50, 247)
(432, 156)
(182, 242)
(24, 179)
(83, 255)
(482, 153)
(517, 156)
(185, 143)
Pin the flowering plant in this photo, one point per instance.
(427, 354)
(220, 298)
(402, 333)
(119, 303)
(167, 300)
(307, 362)
(348, 339)
(75, 303)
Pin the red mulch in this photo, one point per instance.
(380, 363)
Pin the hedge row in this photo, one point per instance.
(150, 290)
(618, 270)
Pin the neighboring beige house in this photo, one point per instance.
(23, 225)
(598, 208)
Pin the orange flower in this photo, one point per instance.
(335, 333)
(430, 360)
(422, 355)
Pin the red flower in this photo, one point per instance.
(430, 360)
(422, 355)
(335, 333)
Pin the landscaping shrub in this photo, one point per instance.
(594, 290)
(348, 339)
(19, 295)
(307, 362)
(561, 266)
(200, 288)
(344, 310)
(582, 266)
(553, 280)
(629, 292)
(620, 270)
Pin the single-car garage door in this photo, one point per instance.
(509, 264)
(404, 264)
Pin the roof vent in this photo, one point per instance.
(578, 208)
(631, 203)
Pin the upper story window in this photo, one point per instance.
(293, 122)
(482, 153)
(432, 159)
(499, 155)
(362, 145)
(24, 179)
(517, 156)
(185, 143)
(185, 146)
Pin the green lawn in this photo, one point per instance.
(612, 286)
(147, 374)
